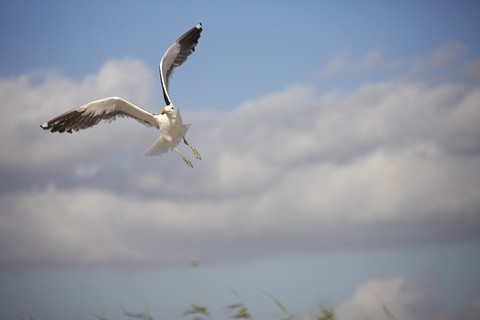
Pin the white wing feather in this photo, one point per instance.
(176, 55)
(92, 113)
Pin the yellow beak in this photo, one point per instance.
(164, 111)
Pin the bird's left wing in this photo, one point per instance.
(92, 113)
(176, 55)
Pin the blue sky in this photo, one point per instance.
(340, 159)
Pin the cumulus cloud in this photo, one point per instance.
(401, 297)
(387, 163)
(32, 99)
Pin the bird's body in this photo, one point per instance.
(168, 122)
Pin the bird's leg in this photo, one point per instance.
(195, 152)
(184, 159)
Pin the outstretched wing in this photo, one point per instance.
(176, 55)
(92, 113)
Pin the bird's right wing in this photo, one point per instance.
(176, 55)
(92, 113)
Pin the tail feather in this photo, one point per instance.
(185, 128)
(160, 146)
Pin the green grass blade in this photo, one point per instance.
(279, 304)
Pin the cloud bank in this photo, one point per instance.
(388, 163)
(399, 298)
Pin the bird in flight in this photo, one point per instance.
(168, 122)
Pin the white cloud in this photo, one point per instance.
(94, 226)
(390, 162)
(371, 62)
(440, 66)
(441, 58)
(404, 299)
(32, 99)
(374, 61)
(336, 65)
(471, 70)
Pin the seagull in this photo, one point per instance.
(168, 122)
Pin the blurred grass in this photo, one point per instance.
(238, 310)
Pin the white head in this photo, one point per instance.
(170, 111)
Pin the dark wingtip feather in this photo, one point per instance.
(190, 38)
(63, 122)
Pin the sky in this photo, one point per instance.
(340, 160)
